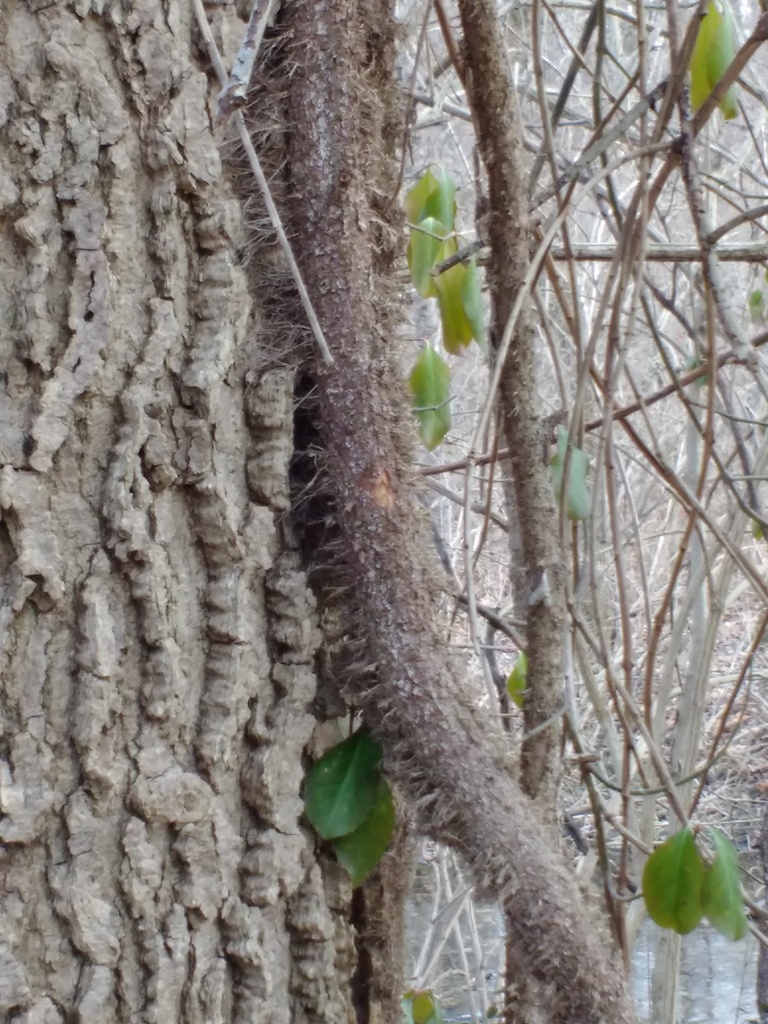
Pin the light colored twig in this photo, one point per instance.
(234, 94)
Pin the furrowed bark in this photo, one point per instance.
(157, 643)
(450, 760)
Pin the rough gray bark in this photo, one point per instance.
(158, 640)
(157, 643)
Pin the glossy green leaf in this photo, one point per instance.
(672, 883)
(457, 329)
(714, 50)
(472, 298)
(341, 787)
(361, 850)
(516, 679)
(721, 892)
(422, 1008)
(430, 384)
(425, 248)
(433, 195)
(579, 499)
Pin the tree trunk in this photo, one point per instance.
(158, 636)
(157, 640)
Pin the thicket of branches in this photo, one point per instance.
(650, 235)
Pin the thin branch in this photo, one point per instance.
(234, 95)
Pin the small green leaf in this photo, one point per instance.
(721, 892)
(472, 298)
(430, 384)
(457, 330)
(417, 196)
(757, 529)
(432, 196)
(672, 883)
(422, 1008)
(756, 305)
(714, 50)
(579, 499)
(424, 250)
(441, 203)
(361, 850)
(341, 787)
(517, 678)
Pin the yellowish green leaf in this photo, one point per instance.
(422, 1008)
(714, 50)
(472, 298)
(457, 329)
(434, 196)
(425, 247)
(430, 384)
(721, 892)
(517, 678)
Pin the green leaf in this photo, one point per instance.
(579, 500)
(425, 248)
(672, 883)
(756, 305)
(472, 299)
(422, 1008)
(417, 196)
(721, 892)
(517, 678)
(714, 50)
(457, 329)
(430, 384)
(341, 787)
(432, 196)
(361, 850)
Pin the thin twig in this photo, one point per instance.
(235, 93)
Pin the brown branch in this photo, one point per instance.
(499, 131)
(451, 761)
(750, 252)
(495, 111)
